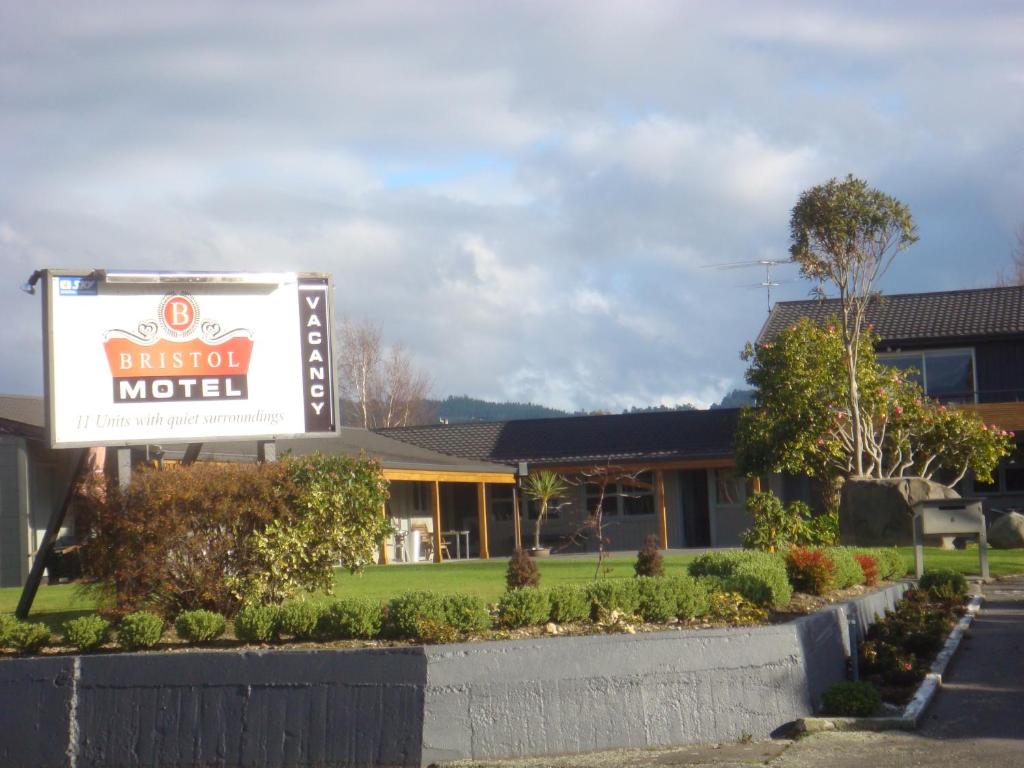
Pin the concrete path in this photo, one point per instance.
(977, 718)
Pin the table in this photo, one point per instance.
(458, 536)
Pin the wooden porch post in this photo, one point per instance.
(755, 484)
(659, 483)
(384, 542)
(481, 513)
(435, 499)
(516, 526)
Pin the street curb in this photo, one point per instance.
(910, 717)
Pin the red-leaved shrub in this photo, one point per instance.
(810, 570)
(869, 565)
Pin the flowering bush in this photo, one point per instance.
(869, 567)
(810, 570)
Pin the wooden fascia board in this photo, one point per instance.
(449, 476)
(633, 466)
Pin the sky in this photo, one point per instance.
(528, 195)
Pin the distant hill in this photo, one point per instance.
(738, 398)
(461, 408)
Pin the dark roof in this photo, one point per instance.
(946, 315)
(22, 415)
(660, 435)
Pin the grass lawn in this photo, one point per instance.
(55, 604)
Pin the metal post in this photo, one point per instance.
(266, 451)
(983, 551)
(854, 660)
(918, 545)
(124, 467)
(191, 453)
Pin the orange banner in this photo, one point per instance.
(178, 358)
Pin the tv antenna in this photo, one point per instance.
(768, 265)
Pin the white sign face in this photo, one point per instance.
(187, 359)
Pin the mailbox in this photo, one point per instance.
(949, 517)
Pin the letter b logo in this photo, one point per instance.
(178, 313)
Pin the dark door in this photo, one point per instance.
(696, 515)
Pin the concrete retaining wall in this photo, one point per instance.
(419, 705)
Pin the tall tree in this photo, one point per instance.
(381, 386)
(847, 234)
(1015, 274)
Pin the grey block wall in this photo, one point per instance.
(419, 705)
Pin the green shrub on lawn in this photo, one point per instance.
(758, 576)
(7, 624)
(944, 584)
(257, 623)
(852, 700)
(848, 572)
(200, 626)
(139, 630)
(570, 604)
(466, 614)
(419, 616)
(657, 599)
(608, 595)
(299, 619)
(86, 633)
(691, 596)
(526, 607)
(351, 618)
(29, 636)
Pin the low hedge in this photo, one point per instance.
(524, 607)
(848, 572)
(86, 633)
(351, 618)
(199, 626)
(257, 623)
(609, 595)
(570, 604)
(759, 576)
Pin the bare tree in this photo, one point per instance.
(608, 480)
(1015, 274)
(380, 386)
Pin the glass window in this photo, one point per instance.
(909, 364)
(949, 376)
(610, 504)
(555, 507)
(502, 505)
(1013, 470)
(637, 494)
(730, 488)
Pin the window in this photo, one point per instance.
(502, 503)
(555, 506)
(629, 496)
(1008, 477)
(420, 497)
(730, 488)
(945, 374)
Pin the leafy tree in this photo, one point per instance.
(803, 422)
(847, 234)
(542, 487)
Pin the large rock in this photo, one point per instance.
(880, 513)
(1007, 532)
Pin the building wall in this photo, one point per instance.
(13, 511)
(1000, 369)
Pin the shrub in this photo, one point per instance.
(944, 584)
(569, 604)
(869, 566)
(891, 564)
(657, 599)
(7, 624)
(522, 571)
(299, 619)
(852, 700)
(610, 595)
(822, 530)
(649, 561)
(257, 623)
(734, 608)
(216, 536)
(848, 572)
(775, 528)
(138, 630)
(691, 596)
(29, 636)
(199, 626)
(466, 613)
(351, 618)
(810, 570)
(86, 633)
(759, 576)
(419, 616)
(524, 607)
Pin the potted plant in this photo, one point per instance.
(542, 487)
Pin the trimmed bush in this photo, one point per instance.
(569, 604)
(852, 700)
(200, 626)
(610, 595)
(691, 596)
(810, 570)
(139, 630)
(299, 619)
(848, 571)
(418, 616)
(257, 623)
(466, 613)
(522, 571)
(764, 579)
(351, 618)
(86, 633)
(7, 624)
(29, 636)
(869, 565)
(891, 563)
(944, 584)
(734, 608)
(657, 599)
(649, 561)
(525, 607)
